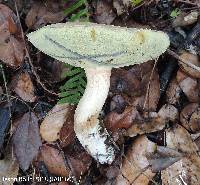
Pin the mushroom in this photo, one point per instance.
(97, 48)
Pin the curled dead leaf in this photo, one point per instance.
(114, 120)
(185, 19)
(53, 122)
(191, 59)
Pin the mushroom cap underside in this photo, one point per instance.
(91, 45)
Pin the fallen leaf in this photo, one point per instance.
(53, 122)
(168, 113)
(123, 81)
(80, 163)
(118, 104)
(173, 92)
(190, 117)
(104, 13)
(195, 121)
(24, 88)
(12, 46)
(118, 5)
(185, 19)
(162, 158)
(42, 13)
(54, 161)
(152, 122)
(8, 168)
(186, 170)
(135, 82)
(189, 86)
(78, 159)
(190, 59)
(26, 140)
(135, 167)
(114, 120)
(4, 124)
(67, 134)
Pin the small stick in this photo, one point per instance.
(149, 84)
(29, 58)
(172, 53)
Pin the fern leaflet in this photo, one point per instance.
(74, 87)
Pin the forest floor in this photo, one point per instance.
(152, 112)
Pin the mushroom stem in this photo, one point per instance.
(91, 135)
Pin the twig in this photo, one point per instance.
(29, 58)
(149, 84)
(14, 97)
(172, 53)
(187, 2)
(5, 85)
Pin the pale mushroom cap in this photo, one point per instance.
(90, 44)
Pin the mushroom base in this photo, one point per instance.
(91, 135)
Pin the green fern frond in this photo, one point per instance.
(74, 87)
(77, 6)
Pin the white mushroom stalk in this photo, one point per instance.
(97, 48)
(86, 124)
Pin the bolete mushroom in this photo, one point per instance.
(97, 48)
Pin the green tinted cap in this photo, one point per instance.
(91, 45)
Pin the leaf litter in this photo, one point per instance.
(137, 109)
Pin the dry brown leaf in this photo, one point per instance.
(135, 82)
(53, 122)
(191, 59)
(26, 140)
(12, 48)
(189, 86)
(80, 163)
(118, 104)
(151, 124)
(104, 13)
(168, 113)
(8, 168)
(173, 92)
(190, 117)
(186, 170)
(123, 81)
(78, 159)
(54, 161)
(135, 167)
(162, 158)
(185, 19)
(191, 89)
(67, 134)
(42, 13)
(114, 120)
(24, 88)
(118, 5)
